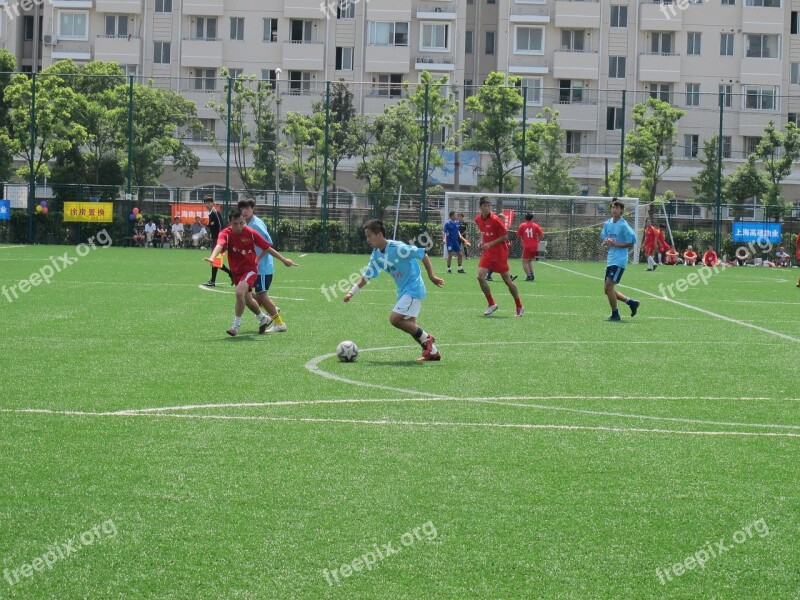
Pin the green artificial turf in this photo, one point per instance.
(556, 455)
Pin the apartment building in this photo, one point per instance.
(576, 56)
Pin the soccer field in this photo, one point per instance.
(144, 453)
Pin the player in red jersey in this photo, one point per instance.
(710, 257)
(530, 233)
(242, 242)
(495, 255)
(650, 238)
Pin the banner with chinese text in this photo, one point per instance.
(88, 212)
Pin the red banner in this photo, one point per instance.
(508, 218)
(187, 213)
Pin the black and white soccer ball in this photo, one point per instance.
(347, 351)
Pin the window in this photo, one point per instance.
(468, 38)
(491, 2)
(435, 36)
(661, 43)
(299, 82)
(301, 30)
(270, 76)
(661, 91)
(534, 90)
(390, 85)
(570, 91)
(727, 146)
(489, 42)
(619, 15)
(761, 97)
(794, 73)
(72, 26)
(388, 33)
(728, 2)
(161, 53)
(764, 3)
(572, 39)
(614, 117)
(205, 28)
(793, 28)
(761, 45)
(468, 88)
(163, 6)
(691, 141)
(616, 67)
(344, 59)
(573, 142)
(237, 28)
(794, 118)
(235, 73)
(205, 80)
(117, 25)
(270, 30)
(750, 144)
(726, 44)
(206, 132)
(727, 95)
(692, 94)
(345, 9)
(693, 43)
(528, 40)
(129, 70)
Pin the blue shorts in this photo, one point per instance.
(614, 273)
(262, 283)
(454, 247)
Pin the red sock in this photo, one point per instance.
(519, 302)
(489, 299)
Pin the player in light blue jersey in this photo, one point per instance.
(618, 237)
(265, 271)
(400, 261)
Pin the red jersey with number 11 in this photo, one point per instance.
(242, 253)
(493, 228)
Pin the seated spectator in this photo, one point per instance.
(163, 233)
(177, 233)
(690, 257)
(671, 256)
(741, 256)
(710, 258)
(781, 258)
(149, 232)
(198, 232)
(138, 234)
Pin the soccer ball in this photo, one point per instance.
(347, 351)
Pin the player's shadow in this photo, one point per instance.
(393, 363)
(242, 337)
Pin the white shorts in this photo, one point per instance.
(408, 307)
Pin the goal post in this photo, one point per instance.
(571, 224)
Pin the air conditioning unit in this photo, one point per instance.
(48, 40)
(437, 9)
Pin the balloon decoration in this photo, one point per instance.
(43, 204)
(133, 217)
(44, 210)
(38, 208)
(136, 211)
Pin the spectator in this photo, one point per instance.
(163, 233)
(781, 258)
(689, 257)
(671, 257)
(138, 234)
(198, 232)
(177, 233)
(149, 232)
(662, 242)
(710, 258)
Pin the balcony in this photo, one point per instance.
(71, 50)
(529, 14)
(122, 7)
(309, 9)
(756, 19)
(122, 50)
(205, 8)
(584, 14)
(660, 67)
(388, 59)
(303, 56)
(761, 71)
(69, 4)
(375, 104)
(576, 65)
(435, 63)
(202, 53)
(437, 11)
(660, 17)
(389, 10)
(753, 122)
(577, 116)
(530, 65)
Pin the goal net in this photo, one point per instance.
(571, 224)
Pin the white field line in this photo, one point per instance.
(689, 306)
(208, 289)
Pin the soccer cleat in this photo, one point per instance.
(462, 271)
(429, 357)
(529, 278)
(489, 278)
(649, 269)
(513, 277)
(654, 267)
(449, 271)
(210, 284)
(263, 324)
(232, 331)
(428, 346)
(276, 329)
(520, 311)
(634, 307)
(490, 310)
(614, 318)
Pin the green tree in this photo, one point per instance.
(549, 172)
(343, 143)
(628, 190)
(649, 145)
(704, 184)
(496, 107)
(745, 182)
(305, 135)
(777, 151)
(8, 65)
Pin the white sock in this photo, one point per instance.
(650, 262)
(261, 316)
(434, 350)
(236, 322)
(423, 338)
